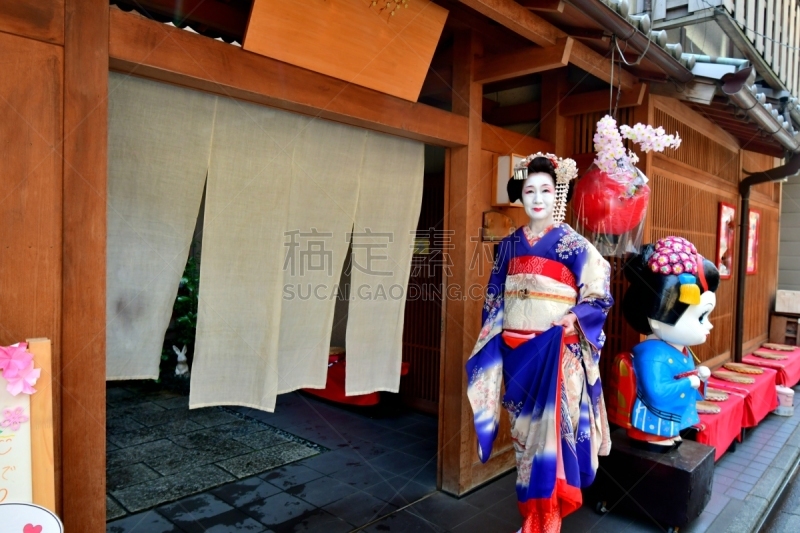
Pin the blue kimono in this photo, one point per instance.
(553, 392)
(664, 405)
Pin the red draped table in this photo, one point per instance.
(721, 429)
(760, 398)
(788, 369)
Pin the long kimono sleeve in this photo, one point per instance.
(594, 298)
(485, 365)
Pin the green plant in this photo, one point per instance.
(185, 308)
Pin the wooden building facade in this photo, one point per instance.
(56, 55)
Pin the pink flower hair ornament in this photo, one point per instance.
(16, 364)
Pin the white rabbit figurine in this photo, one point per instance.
(182, 368)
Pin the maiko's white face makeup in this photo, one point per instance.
(692, 328)
(539, 196)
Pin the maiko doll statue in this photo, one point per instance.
(671, 294)
(546, 304)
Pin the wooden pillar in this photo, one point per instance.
(462, 320)
(555, 128)
(83, 322)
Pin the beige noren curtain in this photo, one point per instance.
(389, 201)
(159, 138)
(283, 193)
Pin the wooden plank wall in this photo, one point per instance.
(31, 134)
(52, 272)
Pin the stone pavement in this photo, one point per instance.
(786, 516)
(381, 476)
(379, 461)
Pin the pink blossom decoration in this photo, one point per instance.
(15, 357)
(13, 419)
(22, 380)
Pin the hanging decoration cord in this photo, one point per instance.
(611, 85)
(622, 56)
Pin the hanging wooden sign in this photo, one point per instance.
(383, 45)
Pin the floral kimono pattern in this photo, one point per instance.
(553, 391)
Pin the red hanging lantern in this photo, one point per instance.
(604, 205)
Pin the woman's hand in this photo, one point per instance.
(568, 323)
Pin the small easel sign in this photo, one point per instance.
(26, 424)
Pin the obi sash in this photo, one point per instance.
(531, 264)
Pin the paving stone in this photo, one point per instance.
(179, 402)
(290, 475)
(171, 488)
(768, 484)
(114, 394)
(181, 460)
(239, 428)
(363, 448)
(148, 434)
(137, 454)
(405, 522)
(244, 492)
(211, 417)
(746, 478)
(314, 521)
(359, 509)
(322, 491)
(125, 476)
(398, 462)
(261, 460)
(443, 510)
(136, 411)
(210, 440)
(261, 439)
(400, 491)
(487, 523)
(278, 509)
(122, 424)
(736, 493)
(361, 477)
(113, 509)
(331, 462)
(194, 508)
(747, 513)
(149, 522)
(157, 418)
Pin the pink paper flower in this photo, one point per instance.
(13, 419)
(22, 380)
(15, 357)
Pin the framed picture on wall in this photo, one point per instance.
(726, 235)
(752, 241)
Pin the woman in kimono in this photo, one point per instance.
(546, 303)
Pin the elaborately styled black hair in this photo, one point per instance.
(538, 164)
(656, 296)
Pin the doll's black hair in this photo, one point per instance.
(537, 164)
(656, 296)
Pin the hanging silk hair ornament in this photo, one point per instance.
(611, 198)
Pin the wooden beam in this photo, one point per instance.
(518, 19)
(149, 49)
(523, 62)
(578, 104)
(534, 28)
(588, 34)
(551, 6)
(502, 141)
(83, 304)
(600, 67)
(512, 114)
